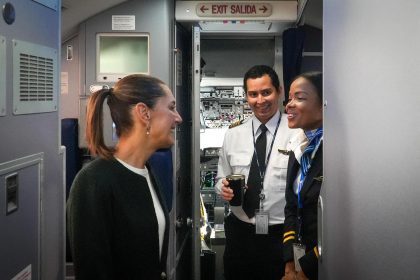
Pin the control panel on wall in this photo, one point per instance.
(222, 105)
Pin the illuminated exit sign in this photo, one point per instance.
(233, 9)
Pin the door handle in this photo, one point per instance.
(321, 245)
(181, 222)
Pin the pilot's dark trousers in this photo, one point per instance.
(250, 256)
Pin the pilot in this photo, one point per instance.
(256, 148)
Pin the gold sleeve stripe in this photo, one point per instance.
(289, 233)
(316, 252)
(288, 238)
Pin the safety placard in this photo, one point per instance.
(233, 9)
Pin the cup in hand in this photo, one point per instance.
(237, 184)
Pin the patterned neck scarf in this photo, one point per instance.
(306, 159)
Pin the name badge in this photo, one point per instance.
(261, 222)
(298, 252)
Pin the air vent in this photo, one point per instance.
(35, 78)
(2, 76)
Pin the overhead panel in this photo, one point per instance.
(2, 76)
(236, 10)
(34, 78)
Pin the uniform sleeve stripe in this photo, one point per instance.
(288, 238)
(289, 233)
(316, 252)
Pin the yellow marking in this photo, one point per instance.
(319, 178)
(288, 233)
(288, 238)
(316, 252)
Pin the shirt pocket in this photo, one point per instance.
(240, 164)
(276, 177)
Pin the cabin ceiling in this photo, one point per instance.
(75, 12)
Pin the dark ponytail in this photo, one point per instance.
(94, 124)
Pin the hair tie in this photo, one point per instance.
(109, 95)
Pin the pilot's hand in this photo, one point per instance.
(226, 193)
(289, 272)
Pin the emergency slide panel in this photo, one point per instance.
(34, 78)
(20, 217)
(2, 76)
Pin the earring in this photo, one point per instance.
(148, 129)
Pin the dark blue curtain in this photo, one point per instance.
(293, 40)
(70, 139)
(161, 163)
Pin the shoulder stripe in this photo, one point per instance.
(289, 233)
(288, 238)
(236, 123)
(316, 252)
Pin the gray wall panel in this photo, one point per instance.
(372, 129)
(153, 17)
(25, 135)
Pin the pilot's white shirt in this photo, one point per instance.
(236, 156)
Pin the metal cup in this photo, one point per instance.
(237, 184)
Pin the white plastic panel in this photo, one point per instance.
(53, 4)
(371, 134)
(35, 75)
(2, 76)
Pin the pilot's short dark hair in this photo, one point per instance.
(258, 71)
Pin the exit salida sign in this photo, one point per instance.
(233, 9)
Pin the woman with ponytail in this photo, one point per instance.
(117, 218)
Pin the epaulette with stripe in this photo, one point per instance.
(234, 124)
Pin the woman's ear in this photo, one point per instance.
(142, 111)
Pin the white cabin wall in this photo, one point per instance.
(371, 156)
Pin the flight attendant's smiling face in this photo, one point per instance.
(304, 109)
(262, 97)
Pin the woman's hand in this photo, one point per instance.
(226, 193)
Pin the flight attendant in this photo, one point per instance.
(304, 178)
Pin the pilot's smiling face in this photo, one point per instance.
(262, 97)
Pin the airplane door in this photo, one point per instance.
(196, 240)
(186, 212)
